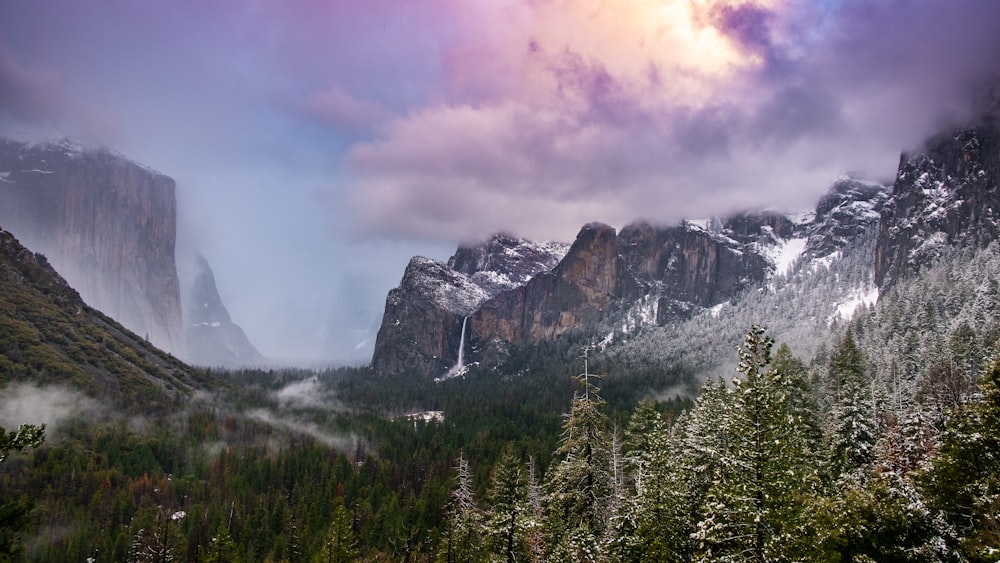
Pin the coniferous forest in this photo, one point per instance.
(782, 460)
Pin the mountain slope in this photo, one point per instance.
(105, 222)
(49, 335)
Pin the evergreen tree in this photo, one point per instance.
(463, 537)
(579, 480)
(222, 548)
(683, 465)
(753, 510)
(340, 545)
(509, 514)
(963, 481)
(15, 513)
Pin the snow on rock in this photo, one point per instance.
(450, 290)
(505, 262)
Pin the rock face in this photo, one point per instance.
(946, 195)
(506, 262)
(106, 223)
(212, 337)
(421, 327)
(845, 212)
(422, 319)
(643, 276)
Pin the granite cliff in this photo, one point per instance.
(945, 196)
(106, 223)
(212, 337)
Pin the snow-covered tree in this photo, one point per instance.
(509, 515)
(579, 483)
(752, 511)
(462, 540)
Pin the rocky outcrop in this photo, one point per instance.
(689, 263)
(422, 324)
(106, 223)
(573, 294)
(945, 196)
(850, 207)
(506, 262)
(212, 337)
(421, 328)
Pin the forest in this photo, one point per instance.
(880, 443)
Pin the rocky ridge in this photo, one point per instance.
(945, 196)
(644, 275)
(212, 337)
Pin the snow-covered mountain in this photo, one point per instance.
(679, 294)
(520, 293)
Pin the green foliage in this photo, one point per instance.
(765, 465)
(340, 544)
(964, 480)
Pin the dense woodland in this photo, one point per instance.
(882, 443)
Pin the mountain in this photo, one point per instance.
(642, 277)
(944, 196)
(106, 223)
(109, 225)
(212, 337)
(421, 327)
(49, 335)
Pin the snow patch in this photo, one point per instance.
(784, 254)
(856, 298)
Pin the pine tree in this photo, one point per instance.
(340, 545)
(753, 510)
(509, 508)
(683, 465)
(580, 482)
(963, 481)
(222, 548)
(463, 537)
(15, 514)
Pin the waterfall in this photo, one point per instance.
(459, 367)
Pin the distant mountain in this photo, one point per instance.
(109, 225)
(945, 196)
(212, 337)
(666, 296)
(106, 223)
(49, 335)
(641, 277)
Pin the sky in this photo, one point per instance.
(318, 144)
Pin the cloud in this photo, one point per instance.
(51, 405)
(26, 94)
(347, 443)
(336, 107)
(562, 112)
